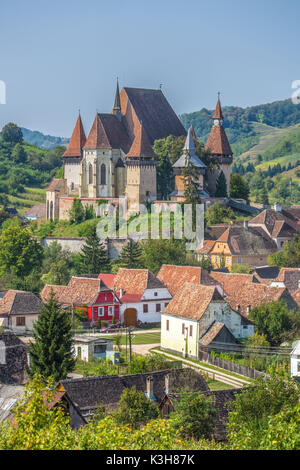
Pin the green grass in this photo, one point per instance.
(143, 338)
(283, 161)
(216, 385)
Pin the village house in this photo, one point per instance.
(232, 282)
(13, 359)
(295, 361)
(90, 392)
(242, 245)
(142, 295)
(266, 274)
(174, 277)
(89, 296)
(19, 310)
(251, 294)
(88, 347)
(193, 310)
(279, 223)
(289, 278)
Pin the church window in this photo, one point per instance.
(90, 174)
(103, 174)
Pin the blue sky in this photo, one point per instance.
(59, 56)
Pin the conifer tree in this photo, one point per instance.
(131, 256)
(51, 353)
(221, 186)
(93, 256)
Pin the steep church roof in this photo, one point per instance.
(141, 147)
(153, 110)
(189, 153)
(217, 142)
(107, 132)
(77, 140)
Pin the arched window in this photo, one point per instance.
(48, 216)
(103, 174)
(51, 210)
(90, 174)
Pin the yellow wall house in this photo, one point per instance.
(190, 315)
(242, 245)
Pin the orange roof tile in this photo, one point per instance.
(77, 140)
(232, 281)
(218, 111)
(217, 142)
(135, 281)
(175, 276)
(141, 147)
(192, 300)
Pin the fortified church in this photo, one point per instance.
(117, 161)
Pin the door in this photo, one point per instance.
(130, 317)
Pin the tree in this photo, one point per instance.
(161, 251)
(12, 133)
(93, 256)
(241, 268)
(289, 256)
(18, 154)
(191, 184)
(131, 256)
(217, 214)
(51, 353)
(221, 186)
(76, 213)
(135, 408)
(283, 430)
(58, 274)
(238, 188)
(19, 252)
(194, 414)
(254, 406)
(272, 320)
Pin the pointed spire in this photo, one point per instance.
(189, 153)
(117, 103)
(77, 140)
(218, 111)
(97, 137)
(141, 147)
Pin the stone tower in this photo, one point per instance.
(141, 172)
(188, 155)
(73, 156)
(217, 146)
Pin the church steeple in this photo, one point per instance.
(77, 140)
(217, 142)
(117, 104)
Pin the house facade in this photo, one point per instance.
(192, 312)
(19, 310)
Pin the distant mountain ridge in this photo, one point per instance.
(43, 141)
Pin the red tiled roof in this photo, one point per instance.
(290, 277)
(275, 223)
(206, 248)
(175, 276)
(247, 241)
(192, 300)
(77, 140)
(135, 281)
(232, 281)
(108, 279)
(141, 147)
(217, 142)
(131, 298)
(97, 137)
(218, 111)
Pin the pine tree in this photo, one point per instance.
(131, 256)
(51, 352)
(93, 257)
(221, 186)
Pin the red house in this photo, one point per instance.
(88, 295)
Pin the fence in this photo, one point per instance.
(228, 365)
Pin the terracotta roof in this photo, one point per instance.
(154, 112)
(252, 294)
(79, 291)
(136, 281)
(39, 210)
(16, 302)
(206, 248)
(192, 300)
(275, 223)
(232, 281)
(213, 232)
(247, 241)
(174, 277)
(141, 147)
(212, 332)
(218, 111)
(108, 279)
(77, 140)
(57, 184)
(131, 298)
(217, 142)
(107, 132)
(290, 277)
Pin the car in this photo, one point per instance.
(109, 328)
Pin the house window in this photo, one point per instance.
(101, 312)
(191, 330)
(155, 294)
(239, 260)
(167, 325)
(145, 308)
(111, 310)
(158, 307)
(166, 304)
(99, 348)
(20, 321)
(227, 260)
(183, 328)
(216, 259)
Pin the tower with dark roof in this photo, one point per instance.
(141, 172)
(218, 147)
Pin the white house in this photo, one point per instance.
(193, 312)
(143, 296)
(295, 360)
(88, 347)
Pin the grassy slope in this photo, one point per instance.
(29, 198)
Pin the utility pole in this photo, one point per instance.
(129, 338)
(73, 320)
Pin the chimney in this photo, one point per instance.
(150, 394)
(167, 383)
(277, 207)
